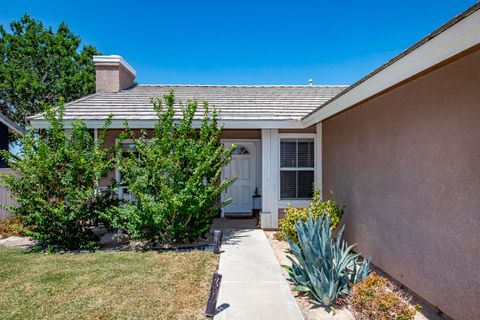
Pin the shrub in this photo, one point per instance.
(377, 298)
(174, 175)
(55, 180)
(317, 208)
(323, 267)
(11, 226)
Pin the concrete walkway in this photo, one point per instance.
(253, 286)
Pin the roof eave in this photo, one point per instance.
(12, 125)
(456, 36)
(149, 124)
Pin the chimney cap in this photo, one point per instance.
(310, 82)
(114, 59)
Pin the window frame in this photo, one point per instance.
(297, 137)
(123, 190)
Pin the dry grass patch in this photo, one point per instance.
(378, 298)
(11, 227)
(122, 285)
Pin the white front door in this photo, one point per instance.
(242, 166)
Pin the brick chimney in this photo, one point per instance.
(113, 73)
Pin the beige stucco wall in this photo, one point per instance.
(407, 166)
(112, 77)
(241, 134)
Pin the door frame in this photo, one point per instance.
(256, 154)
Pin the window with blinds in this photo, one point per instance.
(296, 168)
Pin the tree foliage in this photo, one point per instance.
(175, 175)
(54, 182)
(40, 65)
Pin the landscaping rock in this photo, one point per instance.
(18, 242)
(111, 240)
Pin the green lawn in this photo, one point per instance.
(127, 285)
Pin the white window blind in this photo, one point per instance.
(297, 164)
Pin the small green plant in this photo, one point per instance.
(317, 209)
(55, 181)
(377, 298)
(323, 267)
(174, 175)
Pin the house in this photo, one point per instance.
(7, 128)
(263, 121)
(400, 148)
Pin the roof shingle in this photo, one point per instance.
(233, 102)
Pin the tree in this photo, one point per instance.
(39, 65)
(54, 182)
(175, 175)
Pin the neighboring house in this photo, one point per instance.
(400, 148)
(7, 127)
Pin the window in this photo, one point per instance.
(128, 149)
(296, 168)
(240, 150)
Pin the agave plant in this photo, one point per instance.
(324, 267)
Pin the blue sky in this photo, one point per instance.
(246, 42)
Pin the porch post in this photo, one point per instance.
(270, 178)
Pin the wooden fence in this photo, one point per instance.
(5, 197)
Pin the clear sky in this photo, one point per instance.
(246, 42)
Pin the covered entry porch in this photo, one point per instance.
(274, 168)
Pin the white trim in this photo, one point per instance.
(452, 41)
(114, 59)
(270, 178)
(150, 124)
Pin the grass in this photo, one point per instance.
(121, 285)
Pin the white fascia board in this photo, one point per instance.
(149, 124)
(456, 39)
(114, 59)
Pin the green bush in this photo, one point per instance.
(323, 267)
(317, 208)
(54, 183)
(174, 175)
(377, 298)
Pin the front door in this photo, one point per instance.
(242, 166)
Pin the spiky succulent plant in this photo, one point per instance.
(324, 267)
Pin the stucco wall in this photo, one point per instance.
(112, 77)
(407, 166)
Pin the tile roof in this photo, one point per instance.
(233, 102)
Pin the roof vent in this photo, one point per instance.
(310, 82)
(113, 73)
